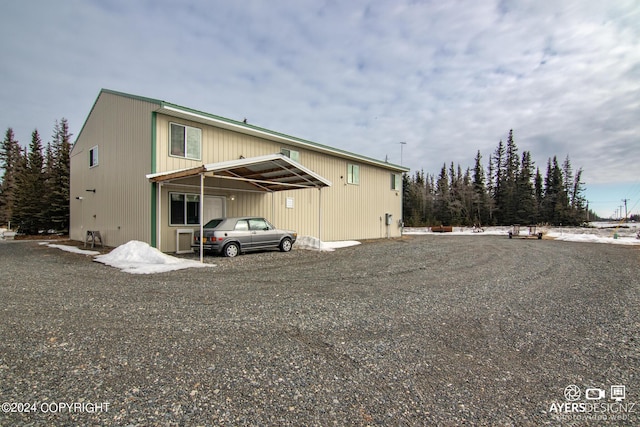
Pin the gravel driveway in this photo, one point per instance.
(424, 330)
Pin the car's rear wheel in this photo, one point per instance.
(286, 245)
(231, 250)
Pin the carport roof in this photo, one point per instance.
(273, 172)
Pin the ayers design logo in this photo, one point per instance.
(594, 403)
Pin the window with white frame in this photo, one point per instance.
(93, 157)
(185, 141)
(396, 181)
(353, 174)
(292, 154)
(184, 209)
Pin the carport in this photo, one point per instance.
(268, 174)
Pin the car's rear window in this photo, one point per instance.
(213, 223)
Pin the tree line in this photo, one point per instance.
(511, 191)
(34, 193)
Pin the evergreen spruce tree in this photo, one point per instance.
(539, 196)
(430, 194)
(490, 192)
(548, 200)
(567, 186)
(466, 196)
(578, 202)
(455, 196)
(499, 173)
(555, 199)
(48, 171)
(525, 192)
(509, 196)
(443, 198)
(60, 177)
(412, 203)
(10, 154)
(30, 209)
(480, 206)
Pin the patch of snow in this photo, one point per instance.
(72, 249)
(614, 239)
(459, 231)
(611, 233)
(137, 257)
(314, 244)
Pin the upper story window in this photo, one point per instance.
(292, 154)
(396, 181)
(353, 174)
(185, 141)
(93, 157)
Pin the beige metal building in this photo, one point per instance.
(140, 166)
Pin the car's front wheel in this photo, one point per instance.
(286, 245)
(231, 250)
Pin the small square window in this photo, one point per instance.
(292, 154)
(93, 157)
(396, 181)
(353, 174)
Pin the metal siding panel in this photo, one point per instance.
(120, 208)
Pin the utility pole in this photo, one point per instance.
(402, 144)
(625, 207)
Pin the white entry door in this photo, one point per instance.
(213, 208)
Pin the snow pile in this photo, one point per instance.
(71, 249)
(314, 244)
(139, 258)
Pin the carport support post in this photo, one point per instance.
(319, 218)
(201, 215)
(159, 210)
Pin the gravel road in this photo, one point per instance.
(423, 330)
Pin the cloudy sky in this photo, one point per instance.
(449, 78)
